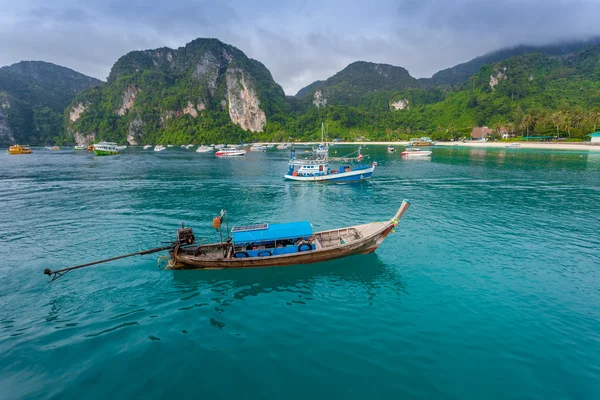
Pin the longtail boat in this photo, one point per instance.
(263, 245)
(267, 245)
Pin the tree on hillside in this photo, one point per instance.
(594, 117)
(557, 120)
(526, 123)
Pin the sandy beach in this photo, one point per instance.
(499, 145)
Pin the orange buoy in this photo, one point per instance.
(217, 222)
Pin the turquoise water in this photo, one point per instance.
(488, 289)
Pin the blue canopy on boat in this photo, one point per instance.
(290, 230)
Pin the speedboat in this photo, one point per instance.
(159, 147)
(169, 145)
(106, 149)
(258, 147)
(230, 153)
(390, 149)
(413, 152)
(80, 147)
(19, 149)
(146, 147)
(189, 146)
(204, 149)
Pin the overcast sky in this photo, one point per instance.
(299, 41)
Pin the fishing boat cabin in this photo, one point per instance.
(265, 240)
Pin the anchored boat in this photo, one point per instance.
(19, 149)
(106, 149)
(422, 142)
(318, 170)
(265, 245)
(204, 149)
(413, 152)
(223, 152)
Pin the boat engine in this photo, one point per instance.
(185, 235)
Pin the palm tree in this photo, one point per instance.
(557, 119)
(567, 122)
(526, 122)
(594, 117)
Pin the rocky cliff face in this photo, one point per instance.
(6, 133)
(244, 105)
(184, 92)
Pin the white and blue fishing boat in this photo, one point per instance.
(318, 170)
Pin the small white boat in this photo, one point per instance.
(218, 146)
(146, 147)
(283, 146)
(513, 146)
(270, 145)
(183, 146)
(80, 147)
(230, 153)
(189, 146)
(169, 145)
(204, 149)
(413, 152)
(121, 147)
(159, 147)
(258, 147)
(391, 149)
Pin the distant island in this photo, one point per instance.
(209, 92)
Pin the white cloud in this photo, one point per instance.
(299, 41)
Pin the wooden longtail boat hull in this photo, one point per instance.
(330, 245)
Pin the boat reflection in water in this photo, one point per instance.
(367, 273)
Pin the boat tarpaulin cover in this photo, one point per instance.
(290, 230)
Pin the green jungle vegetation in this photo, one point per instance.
(533, 94)
(33, 95)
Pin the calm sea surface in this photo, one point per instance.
(489, 289)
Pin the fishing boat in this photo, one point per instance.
(513, 146)
(391, 149)
(318, 170)
(224, 152)
(148, 146)
(323, 148)
(204, 149)
(264, 245)
(80, 147)
(270, 245)
(19, 149)
(159, 147)
(258, 147)
(413, 152)
(106, 149)
(421, 142)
